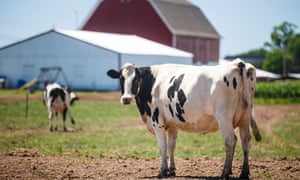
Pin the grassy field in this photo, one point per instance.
(110, 129)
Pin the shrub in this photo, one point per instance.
(278, 89)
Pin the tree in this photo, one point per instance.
(273, 62)
(293, 48)
(280, 37)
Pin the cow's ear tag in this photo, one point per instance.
(113, 74)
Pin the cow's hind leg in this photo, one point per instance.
(172, 135)
(57, 120)
(64, 119)
(245, 140)
(71, 115)
(230, 142)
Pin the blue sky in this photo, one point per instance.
(243, 24)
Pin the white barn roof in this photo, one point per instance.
(125, 44)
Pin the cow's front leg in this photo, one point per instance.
(172, 135)
(50, 117)
(162, 144)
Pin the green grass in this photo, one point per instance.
(111, 129)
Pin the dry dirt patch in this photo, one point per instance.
(30, 165)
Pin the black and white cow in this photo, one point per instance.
(59, 99)
(195, 99)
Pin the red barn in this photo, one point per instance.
(176, 23)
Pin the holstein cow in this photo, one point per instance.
(59, 99)
(195, 99)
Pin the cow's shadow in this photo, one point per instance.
(192, 177)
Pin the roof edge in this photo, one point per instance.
(26, 39)
(162, 17)
(89, 15)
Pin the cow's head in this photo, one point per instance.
(129, 81)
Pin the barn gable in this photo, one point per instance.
(176, 23)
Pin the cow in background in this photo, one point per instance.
(59, 99)
(202, 99)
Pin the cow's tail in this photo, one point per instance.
(245, 85)
(248, 94)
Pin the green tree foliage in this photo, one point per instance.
(283, 49)
(254, 52)
(293, 48)
(273, 62)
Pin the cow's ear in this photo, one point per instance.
(113, 74)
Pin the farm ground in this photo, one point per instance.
(30, 164)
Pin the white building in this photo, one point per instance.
(84, 57)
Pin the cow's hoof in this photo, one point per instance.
(225, 176)
(163, 174)
(172, 173)
(65, 130)
(51, 129)
(244, 176)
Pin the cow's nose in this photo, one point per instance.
(126, 100)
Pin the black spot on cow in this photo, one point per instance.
(179, 113)
(135, 82)
(171, 79)
(174, 87)
(145, 83)
(241, 66)
(57, 92)
(171, 110)
(181, 97)
(155, 115)
(234, 82)
(226, 81)
(179, 106)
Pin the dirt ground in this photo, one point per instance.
(28, 164)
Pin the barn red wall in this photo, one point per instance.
(129, 17)
(204, 49)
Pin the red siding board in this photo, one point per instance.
(204, 49)
(132, 17)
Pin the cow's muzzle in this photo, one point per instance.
(126, 100)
